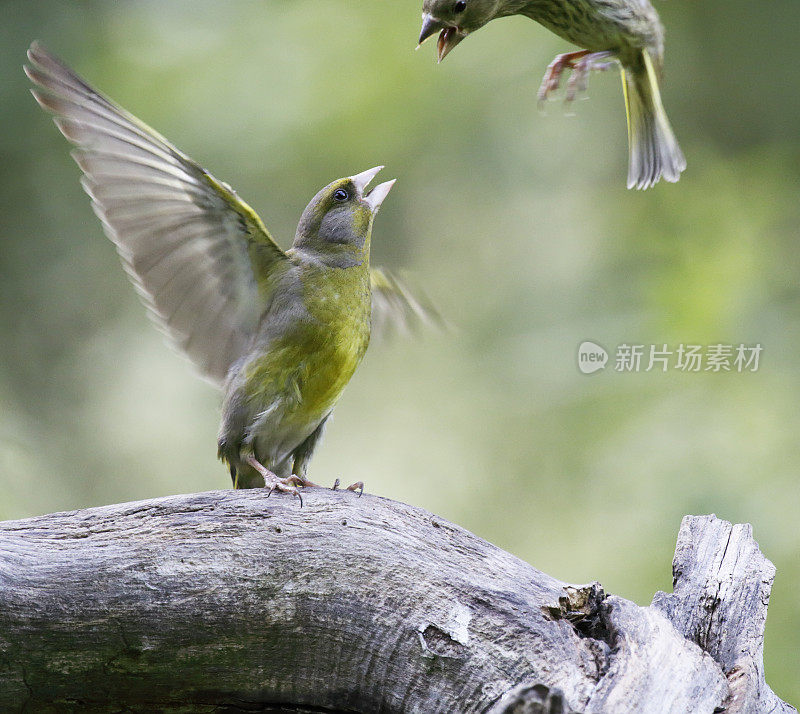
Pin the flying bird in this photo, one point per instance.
(624, 32)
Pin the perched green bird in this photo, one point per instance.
(625, 31)
(281, 332)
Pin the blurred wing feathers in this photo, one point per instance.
(395, 308)
(199, 256)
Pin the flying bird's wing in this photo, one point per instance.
(395, 308)
(200, 257)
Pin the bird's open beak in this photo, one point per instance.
(449, 35)
(430, 25)
(373, 198)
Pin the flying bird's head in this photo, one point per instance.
(454, 20)
(338, 220)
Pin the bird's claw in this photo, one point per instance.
(274, 482)
(357, 486)
(552, 75)
(283, 485)
(302, 481)
(595, 62)
(581, 63)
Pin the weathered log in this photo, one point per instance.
(232, 601)
(721, 589)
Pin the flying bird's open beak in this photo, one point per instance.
(373, 198)
(449, 35)
(430, 26)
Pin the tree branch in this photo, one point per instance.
(229, 600)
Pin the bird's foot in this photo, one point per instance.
(552, 76)
(581, 63)
(357, 486)
(595, 62)
(274, 482)
(301, 481)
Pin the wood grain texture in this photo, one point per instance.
(721, 589)
(232, 601)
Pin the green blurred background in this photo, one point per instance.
(517, 224)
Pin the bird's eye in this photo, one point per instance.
(460, 6)
(340, 195)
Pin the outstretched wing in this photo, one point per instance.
(200, 257)
(394, 307)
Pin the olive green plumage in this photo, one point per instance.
(628, 31)
(280, 332)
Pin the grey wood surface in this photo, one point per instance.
(232, 601)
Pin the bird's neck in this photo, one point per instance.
(518, 7)
(335, 255)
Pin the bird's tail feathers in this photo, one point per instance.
(653, 151)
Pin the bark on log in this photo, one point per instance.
(232, 601)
